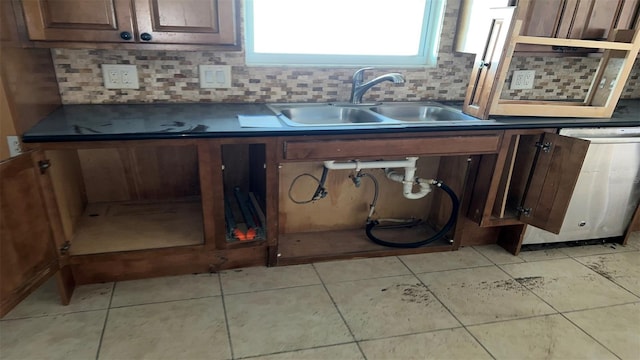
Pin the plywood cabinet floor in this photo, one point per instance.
(136, 225)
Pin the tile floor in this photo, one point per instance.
(475, 303)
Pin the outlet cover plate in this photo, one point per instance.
(215, 76)
(522, 79)
(118, 76)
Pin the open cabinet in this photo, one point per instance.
(333, 226)
(530, 181)
(484, 95)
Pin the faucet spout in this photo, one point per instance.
(358, 87)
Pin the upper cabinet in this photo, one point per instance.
(201, 22)
(565, 19)
(575, 19)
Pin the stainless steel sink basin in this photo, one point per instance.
(399, 114)
(334, 115)
(420, 113)
(326, 115)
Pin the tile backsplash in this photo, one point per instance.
(172, 76)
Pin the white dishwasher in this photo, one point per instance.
(608, 188)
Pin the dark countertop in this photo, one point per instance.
(215, 120)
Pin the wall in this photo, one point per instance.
(172, 76)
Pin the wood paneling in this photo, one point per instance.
(188, 21)
(140, 173)
(346, 206)
(67, 181)
(552, 182)
(352, 149)
(90, 269)
(78, 20)
(26, 245)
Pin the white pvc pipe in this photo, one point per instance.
(382, 164)
(407, 180)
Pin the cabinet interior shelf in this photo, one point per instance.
(137, 225)
(297, 248)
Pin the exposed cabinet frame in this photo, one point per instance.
(488, 102)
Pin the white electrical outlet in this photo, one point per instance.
(522, 79)
(15, 148)
(215, 76)
(120, 76)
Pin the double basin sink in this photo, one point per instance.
(400, 113)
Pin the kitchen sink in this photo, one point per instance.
(330, 115)
(420, 113)
(301, 114)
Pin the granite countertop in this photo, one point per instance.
(214, 120)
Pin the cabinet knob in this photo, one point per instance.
(125, 35)
(145, 36)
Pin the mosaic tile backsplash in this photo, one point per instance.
(172, 76)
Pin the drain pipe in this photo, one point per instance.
(408, 179)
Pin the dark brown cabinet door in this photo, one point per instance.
(27, 253)
(187, 21)
(79, 20)
(552, 180)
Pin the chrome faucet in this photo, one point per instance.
(358, 87)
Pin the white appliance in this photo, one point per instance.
(608, 188)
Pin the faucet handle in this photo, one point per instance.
(358, 76)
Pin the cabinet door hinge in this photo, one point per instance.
(546, 147)
(64, 250)
(524, 211)
(44, 165)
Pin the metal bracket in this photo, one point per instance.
(44, 165)
(546, 147)
(524, 211)
(64, 250)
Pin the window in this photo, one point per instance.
(343, 32)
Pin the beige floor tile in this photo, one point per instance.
(360, 269)
(586, 250)
(267, 322)
(337, 352)
(621, 268)
(444, 344)
(483, 295)
(168, 288)
(186, 329)
(568, 285)
(46, 301)
(264, 278)
(545, 337)
(391, 306)
(466, 257)
(65, 337)
(497, 254)
(616, 327)
(538, 255)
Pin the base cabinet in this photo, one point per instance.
(110, 211)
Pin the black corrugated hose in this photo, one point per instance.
(445, 229)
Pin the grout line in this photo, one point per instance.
(454, 269)
(52, 314)
(292, 351)
(589, 335)
(601, 307)
(339, 312)
(163, 302)
(277, 288)
(106, 318)
(447, 308)
(226, 318)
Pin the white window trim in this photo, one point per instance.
(427, 54)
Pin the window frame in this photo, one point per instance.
(427, 53)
